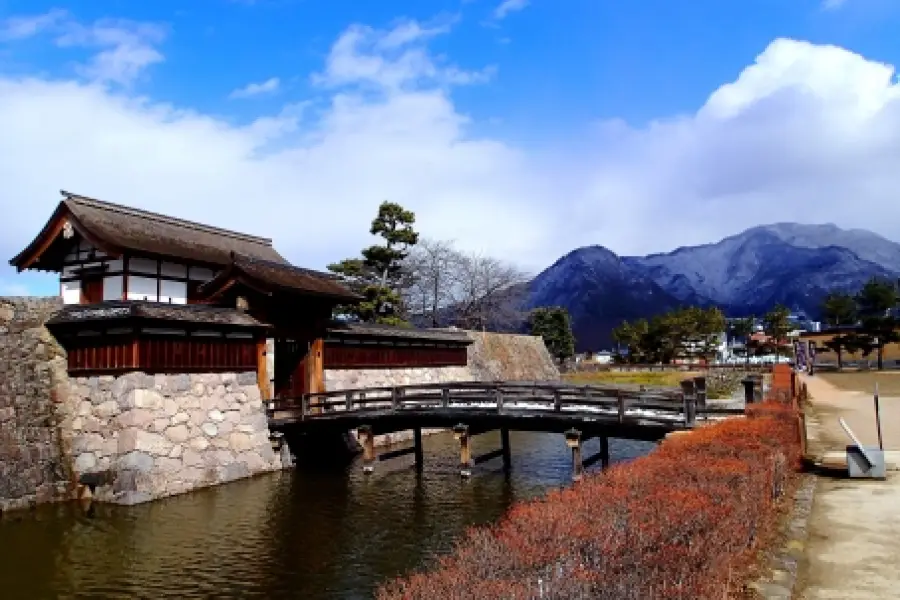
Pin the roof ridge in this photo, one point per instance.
(137, 212)
(239, 256)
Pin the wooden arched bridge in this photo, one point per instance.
(581, 412)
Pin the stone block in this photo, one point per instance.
(143, 441)
(137, 417)
(147, 399)
(170, 407)
(87, 442)
(135, 461)
(247, 378)
(240, 442)
(177, 451)
(180, 418)
(216, 416)
(199, 444)
(160, 424)
(177, 434)
(233, 471)
(107, 409)
(210, 429)
(191, 458)
(85, 462)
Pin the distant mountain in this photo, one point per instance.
(749, 273)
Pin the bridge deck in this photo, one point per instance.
(541, 406)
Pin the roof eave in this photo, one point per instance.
(51, 230)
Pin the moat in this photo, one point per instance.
(296, 534)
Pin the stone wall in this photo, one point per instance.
(33, 462)
(148, 436)
(132, 438)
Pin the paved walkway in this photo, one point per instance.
(853, 550)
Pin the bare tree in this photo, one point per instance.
(447, 286)
(432, 268)
(489, 293)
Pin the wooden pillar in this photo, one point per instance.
(262, 372)
(604, 452)
(749, 395)
(367, 440)
(420, 459)
(689, 396)
(700, 391)
(315, 366)
(507, 454)
(573, 441)
(461, 433)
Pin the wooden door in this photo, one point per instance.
(92, 290)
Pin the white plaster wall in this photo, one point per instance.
(112, 288)
(174, 292)
(71, 292)
(141, 288)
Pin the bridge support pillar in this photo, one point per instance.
(504, 444)
(604, 452)
(420, 460)
(573, 441)
(367, 440)
(461, 433)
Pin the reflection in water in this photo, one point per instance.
(289, 535)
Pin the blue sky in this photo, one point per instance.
(519, 131)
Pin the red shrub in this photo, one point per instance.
(681, 523)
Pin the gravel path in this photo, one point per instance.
(853, 548)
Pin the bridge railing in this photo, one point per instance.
(663, 405)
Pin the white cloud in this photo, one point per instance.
(506, 7)
(392, 60)
(833, 4)
(808, 133)
(19, 28)
(124, 48)
(269, 86)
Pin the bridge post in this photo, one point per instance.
(690, 402)
(700, 390)
(573, 441)
(507, 454)
(749, 396)
(364, 433)
(604, 452)
(461, 433)
(420, 460)
(620, 405)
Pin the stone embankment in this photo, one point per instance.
(34, 466)
(150, 436)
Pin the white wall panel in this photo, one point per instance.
(141, 288)
(112, 288)
(71, 292)
(174, 292)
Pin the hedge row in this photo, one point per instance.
(681, 523)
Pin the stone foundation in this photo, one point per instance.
(34, 465)
(140, 437)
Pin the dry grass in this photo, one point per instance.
(864, 381)
(651, 378)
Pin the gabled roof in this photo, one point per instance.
(267, 277)
(116, 229)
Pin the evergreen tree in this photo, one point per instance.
(776, 325)
(875, 304)
(840, 310)
(555, 327)
(379, 275)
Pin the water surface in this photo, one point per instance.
(296, 534)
